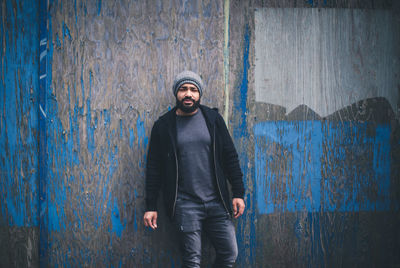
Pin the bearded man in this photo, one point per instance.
(191, 157)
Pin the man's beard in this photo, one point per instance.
(187, 109)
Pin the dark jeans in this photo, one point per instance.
(192, 218)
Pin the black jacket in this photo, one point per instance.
(162, 161)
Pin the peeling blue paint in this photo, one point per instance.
(117, 225)
(76, 13)
(190, 9)
(141, 133)
(135, 226)
(316, 254)
(207, 8)
(363, 187)
(58, 42)
(89, 128)
(142, 138)
(19, 87)
(56, 213)
(107, 118)
(45, 76)
(131, 137)
(240, 136)
(62, 152)
(82, 84)
(299, 185)
(66, 32)
(121, 129)
(99, 7)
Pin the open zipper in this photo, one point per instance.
(176, 183)
(216, 176)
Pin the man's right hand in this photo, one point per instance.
(150, 219)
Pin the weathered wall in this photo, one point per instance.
(112, 65)
(19, 219)
(323, 152)
(316, 125)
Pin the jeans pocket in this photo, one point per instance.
(189, 226)
(185, 223)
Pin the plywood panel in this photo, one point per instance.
(112, 67)
(320, 155)
(18, 134)
(326, 136)
(325, 59)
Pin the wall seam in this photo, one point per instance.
(42, 139)
(226, 61)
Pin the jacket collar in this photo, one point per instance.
(209, 114)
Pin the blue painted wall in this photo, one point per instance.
(82, 83)
(19, 123)
(108, 70)
(19, 206)
(323, 166)
(323, 189)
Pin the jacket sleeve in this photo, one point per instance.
(230, 161)
(153, 170)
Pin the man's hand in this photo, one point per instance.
(150, 219)
(238, 207)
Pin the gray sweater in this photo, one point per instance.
(196, 170)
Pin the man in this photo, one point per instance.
(191, 156)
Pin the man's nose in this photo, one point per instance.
(188, 93)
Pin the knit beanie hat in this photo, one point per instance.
(187, 77)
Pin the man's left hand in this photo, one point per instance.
(238, 207)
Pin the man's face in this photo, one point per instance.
(188, 98)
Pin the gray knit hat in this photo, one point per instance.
(187, 77)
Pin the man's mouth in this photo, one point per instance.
(187, 104)
(188, 101)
